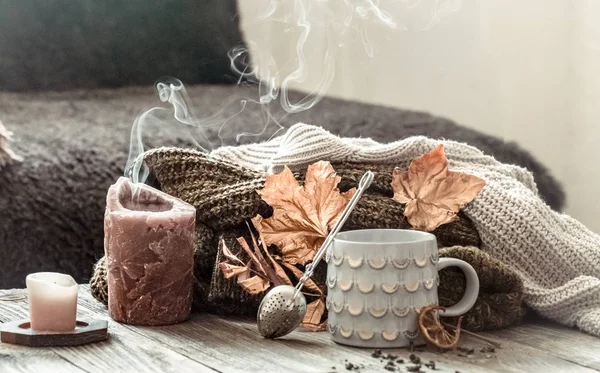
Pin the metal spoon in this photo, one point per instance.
(283, 307)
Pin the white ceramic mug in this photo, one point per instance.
(378, 279)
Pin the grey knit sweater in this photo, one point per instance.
(557, 257)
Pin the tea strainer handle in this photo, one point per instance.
(363, 185)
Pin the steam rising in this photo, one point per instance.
(330, 22)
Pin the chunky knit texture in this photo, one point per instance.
(500, 299)
(225, 197)
(557, 257)
(74, 146)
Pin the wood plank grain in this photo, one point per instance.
(568, 344)
(213, 343)
(17, 359)
(232, 345)
(512, 357)
(125, 351)
(228, 347)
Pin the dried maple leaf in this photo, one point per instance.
(315, 309)
(252, 284)
(309, 285)
(314, 313)
(432, 194)
(259, 273)
(302, 215)
(434, 331)
(271, 267)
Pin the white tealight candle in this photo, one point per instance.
(52, 301)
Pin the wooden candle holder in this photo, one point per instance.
(20, 333)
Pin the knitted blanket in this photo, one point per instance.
(74, 146)
(556, 256)
(225, 198)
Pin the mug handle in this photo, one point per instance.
(471, 291)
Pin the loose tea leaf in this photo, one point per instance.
(390, 366)
(430, 365)
(414, 359)
(350, 366)
(376, 354)
(414, 368)
(302, 215)
(432, 194)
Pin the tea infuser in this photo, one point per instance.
(283, 307)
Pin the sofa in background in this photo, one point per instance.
(57, 60)
(66, 44)
(75, 146)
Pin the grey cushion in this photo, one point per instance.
(75, 145)
(63, 44)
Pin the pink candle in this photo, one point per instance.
(52, 301)
(149, 245)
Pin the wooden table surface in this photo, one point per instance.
(209, 343)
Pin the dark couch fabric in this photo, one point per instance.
(75, 145)
(64, 44)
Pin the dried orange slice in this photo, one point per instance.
(434, 331)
